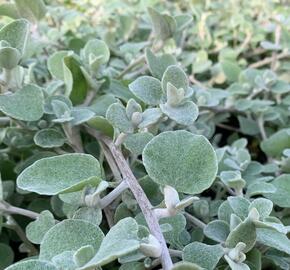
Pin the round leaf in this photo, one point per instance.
(148, 89)
(204, 255)
(70, 235)
(9, 57)
(36, 230)
(26, 104)
(184, 114)
(64, 173)
(176, 76)
(182, 160)
(49, 138)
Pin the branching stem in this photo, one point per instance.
(139, 195)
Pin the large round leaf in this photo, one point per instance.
(64, 173)
(182, 160)
(26, 104)
(70, 235)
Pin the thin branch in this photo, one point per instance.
(110, 197)
(9, 209)
(73, 136)
(175, 253)
(139, 195)
(194, 220)
(111, 162)
(260, 122)
(4, 120)
(268, 60)
(135, 63)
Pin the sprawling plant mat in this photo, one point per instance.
(144, 135)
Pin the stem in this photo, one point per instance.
(261, 127)
(139, 195)
(111, 162)
(4, 120)
(73, 136)
(9, 209)
(195, 220)
(175, 253)
(268, 60)
(116, 192)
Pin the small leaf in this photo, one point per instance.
(201, 62)
(233, 179)
(148, 89)
(31, 10)
(100, 105)
(176, 76)
(163, 25)
(16, 33)
(182, 21)
(36, 230)
(116, 115)
(95, 53)
(281, 196)
(83, 255)
(132, 107)
(276, 143)
(59, 174)
(55, 64)
(9, 57)
(26, 104)
(32, 265)
(236, 265)
(260, 188)
(158, 64)
(217, 230)
(150, 117)
(102, 124)
(135, 143)
(184, 114)
(182, 160)
(122, 239)
(70, 235)
(274, 239)
(81, 115)
(74, 79)
(240, 206)
(263, 206)
(206, 256)
(49, 138)
(92, 215)
(245, 232)
(231, 69)
(64, 260)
